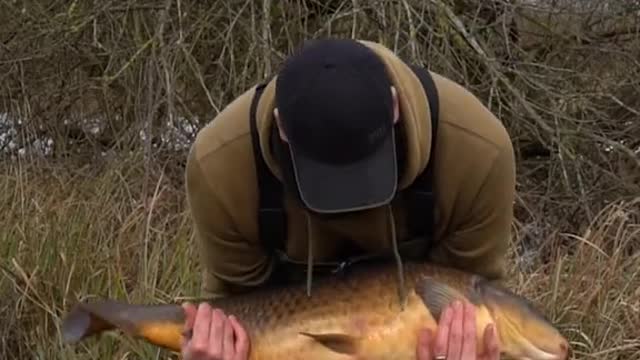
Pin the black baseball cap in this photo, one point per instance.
(335, 104)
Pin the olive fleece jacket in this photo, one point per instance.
(474, 180)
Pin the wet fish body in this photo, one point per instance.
(357, 316)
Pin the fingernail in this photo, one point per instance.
(492, 329)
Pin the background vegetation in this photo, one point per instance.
(99, 101)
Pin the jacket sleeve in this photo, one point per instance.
(480, 242)
(229, 262)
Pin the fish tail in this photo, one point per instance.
(160, 325)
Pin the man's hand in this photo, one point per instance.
(214, 335)
(456, 337)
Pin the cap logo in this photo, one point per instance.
(376, 135)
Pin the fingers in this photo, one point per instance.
(242, 339)
(424, 351)
(455, 332)
(190, 313)
(201, 330)
(190, 316)
(469, 349)
(491, 344)
(440, 347)
(214, 335)
(228, 347)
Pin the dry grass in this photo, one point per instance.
(103, 213)
(69, 235)
(72, 235)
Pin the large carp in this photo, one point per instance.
(356, 316)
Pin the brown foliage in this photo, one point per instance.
(563, 76)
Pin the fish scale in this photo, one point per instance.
(355, 316)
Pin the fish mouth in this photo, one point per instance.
(535, 353)
(524, 349)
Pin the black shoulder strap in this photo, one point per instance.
(421, 193)
(271, 213)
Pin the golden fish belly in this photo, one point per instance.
(374, 326)
(382, 331)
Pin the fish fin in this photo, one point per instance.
(340, 343)
(437, 295)
(80, 324)
(89, 319)
(158, 324)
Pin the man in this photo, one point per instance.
(345, 128)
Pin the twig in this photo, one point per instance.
(491, 65)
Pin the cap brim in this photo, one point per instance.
(367, 183)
